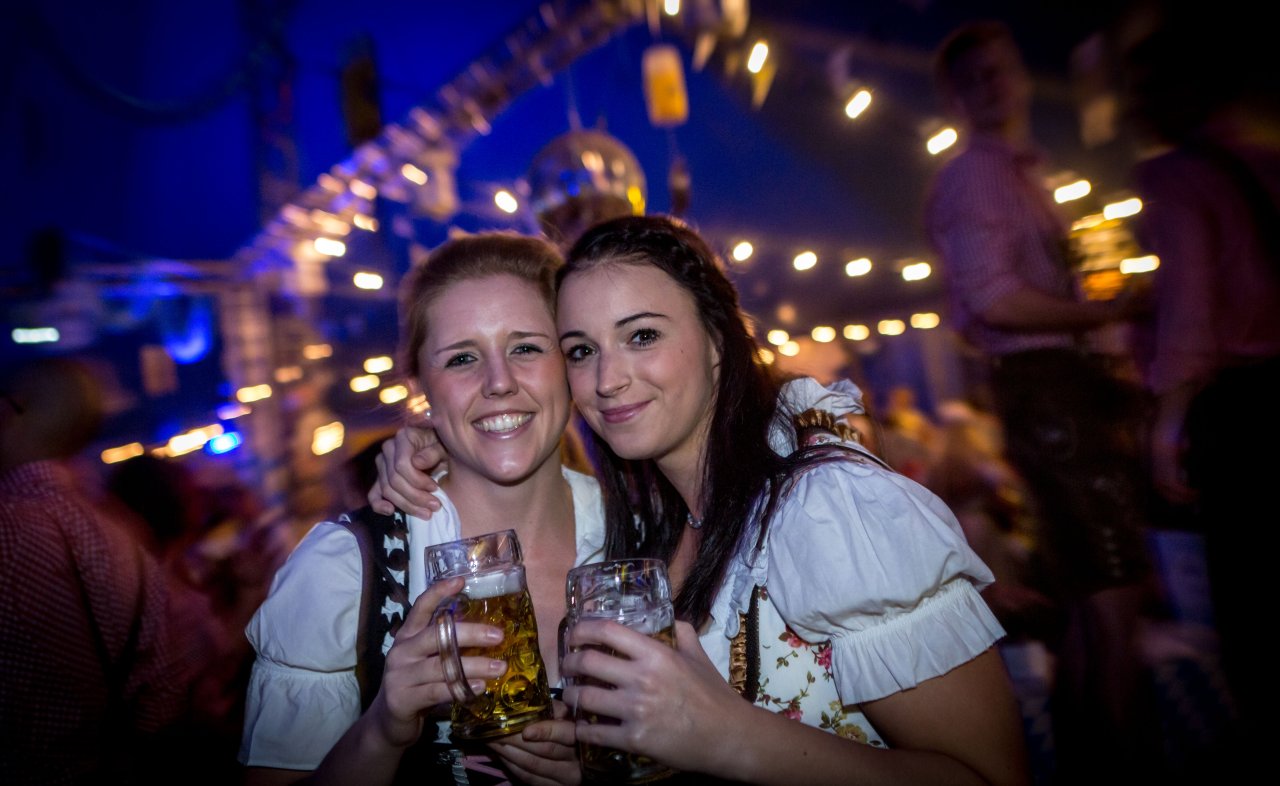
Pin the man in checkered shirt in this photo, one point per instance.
(86, 672)
(1069, 425)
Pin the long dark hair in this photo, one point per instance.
(645, 515)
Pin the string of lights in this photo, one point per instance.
(413, 163)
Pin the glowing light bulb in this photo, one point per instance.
(777, 337)
(941, 141)
(327, 438)
(506, 202)
(857, 332)
(759, 53)
(122, 453)
(858, 104)
(330, 247)
(823, 334)
(391, 395)
(1072, 191)
(317, 351)
(379, 365)
(805, 260)
(286, 374)
(917, 271)
(364, 383)
(366, 280)
(925, 320)
(1139, 264)
(39, 335)
(1123, 208)
(223, 443)
(857, 267)
(743, 251)
(252, 393)
(413, 174)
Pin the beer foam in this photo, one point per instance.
(635, 611)
(507, 581)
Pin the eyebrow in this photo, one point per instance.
(466, 343)
(620, 323)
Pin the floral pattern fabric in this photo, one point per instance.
(796, 681)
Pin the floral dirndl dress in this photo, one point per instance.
(795, 678)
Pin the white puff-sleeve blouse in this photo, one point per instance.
(872, 562)
(303, 694)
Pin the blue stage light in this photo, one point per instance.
(223, 443)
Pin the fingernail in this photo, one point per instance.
(476, 686)
(497, 666)
(493, 635)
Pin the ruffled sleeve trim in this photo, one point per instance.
(878, 565)
(950, 628)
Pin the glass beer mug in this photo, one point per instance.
(495, 594)
(635, 593)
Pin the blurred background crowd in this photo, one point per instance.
(209, 212)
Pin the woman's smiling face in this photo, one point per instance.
(642, 367)
(494, 377)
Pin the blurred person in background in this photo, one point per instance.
(1202, 93)
(214, 588)
(970, 473)
(88, 676)
(909, 437)
(1002, 241)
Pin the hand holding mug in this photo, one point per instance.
(494, 593)
(414, 679)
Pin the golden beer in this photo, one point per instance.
(610, 765)
(521, 695)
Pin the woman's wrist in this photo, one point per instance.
(389, 732)
(743, 761)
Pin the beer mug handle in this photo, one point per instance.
(562, 645)
(450, 659)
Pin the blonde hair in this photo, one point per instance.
(468, 258)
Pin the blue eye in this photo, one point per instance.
(461, 359)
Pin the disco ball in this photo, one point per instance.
(582, 178)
